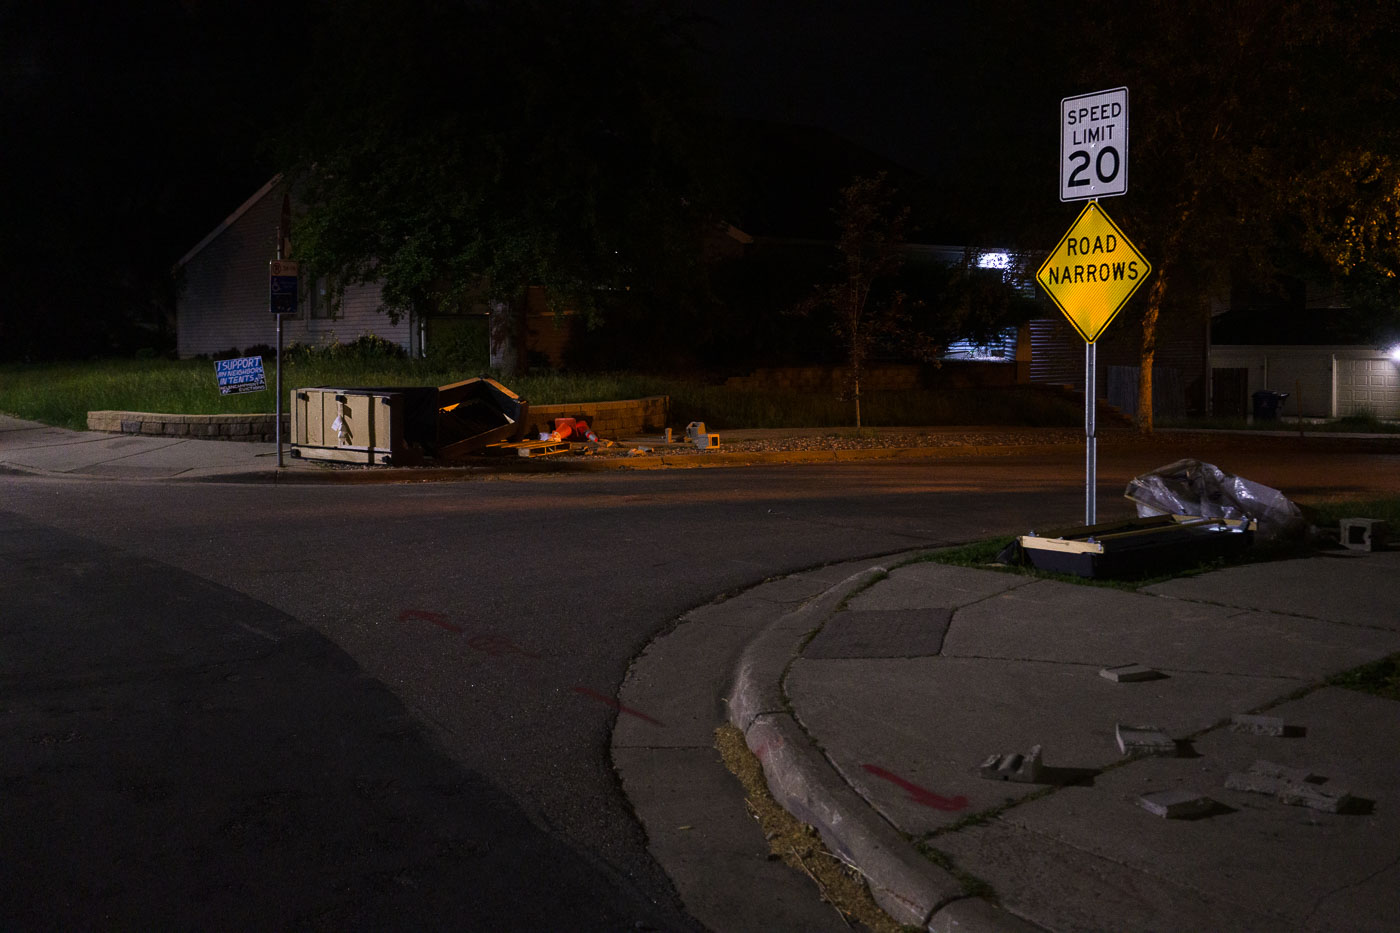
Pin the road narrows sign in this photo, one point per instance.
(1093, 272)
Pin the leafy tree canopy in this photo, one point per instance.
(459, 152)
(1262, 132)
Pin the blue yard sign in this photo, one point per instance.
(244, 374)
(282, 287)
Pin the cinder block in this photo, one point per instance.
(1257, 725)
(1130, 673)
(1022, 769)
(1145, 740)
(1176, 804)
(695, 430)
(706, 441)
(1364, 534)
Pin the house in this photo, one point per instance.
(223, 298)
(1323, 358)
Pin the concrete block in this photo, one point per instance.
(1316, 797)
(706, 441)
(1364, 534)
(1145, 740)
(1022, 769)
(1176, 804)
(1257, 725)
(695, 429)
(1130, 673)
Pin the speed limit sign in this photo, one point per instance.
(1094, 145)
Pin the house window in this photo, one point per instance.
(998, 348)
(318, 296)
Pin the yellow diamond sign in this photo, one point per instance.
(1093, 272)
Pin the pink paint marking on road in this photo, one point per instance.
(603, 698)
(497, 645)
(766, 747)
(436, 618)
(919, 794)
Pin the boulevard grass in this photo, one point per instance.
(1323, 514)
(62, 394)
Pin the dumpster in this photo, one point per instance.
(475, 413)
(385, 425)
(1267, 404)
(401, 425)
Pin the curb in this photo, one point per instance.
(908, 887)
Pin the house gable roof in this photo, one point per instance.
(231, 219)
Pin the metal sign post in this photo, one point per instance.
(282, 298)
(1091, 449)
(1090, 275)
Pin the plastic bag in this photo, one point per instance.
(1192, 487)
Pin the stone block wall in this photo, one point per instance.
(626, 418)
(826, 379)
(251, 427)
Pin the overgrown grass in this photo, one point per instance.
(1381, 678)
(63, 393)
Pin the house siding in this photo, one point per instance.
(1321, 381)
(223, 304)
(1057, 358)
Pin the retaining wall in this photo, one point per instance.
(626, 418)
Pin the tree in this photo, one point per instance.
(866, 308)
(529, 143)
(1261, 130)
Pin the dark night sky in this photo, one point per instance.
(134, 126)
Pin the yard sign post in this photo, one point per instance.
(1095, 269)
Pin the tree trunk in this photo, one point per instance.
(856, 390)
(1149, 352)
(506, 335)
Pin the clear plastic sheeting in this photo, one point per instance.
(1192, 487)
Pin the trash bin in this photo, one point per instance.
(1266, 404)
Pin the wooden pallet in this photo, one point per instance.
(528, 448)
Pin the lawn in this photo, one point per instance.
(63, 393)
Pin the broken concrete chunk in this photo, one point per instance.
(1315, 796)
(1176, 804)
(1293, 786)
(1254, 783)
(1145, 740)
(1291, 775)
(1257, 725)
(1023, 769)
(1130, 673)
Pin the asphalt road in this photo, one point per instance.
(475, 792)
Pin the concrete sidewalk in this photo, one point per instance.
(873, 706)
(873, 700)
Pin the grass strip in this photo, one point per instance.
(1380, 678)
(63, 393)
(797, 844)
